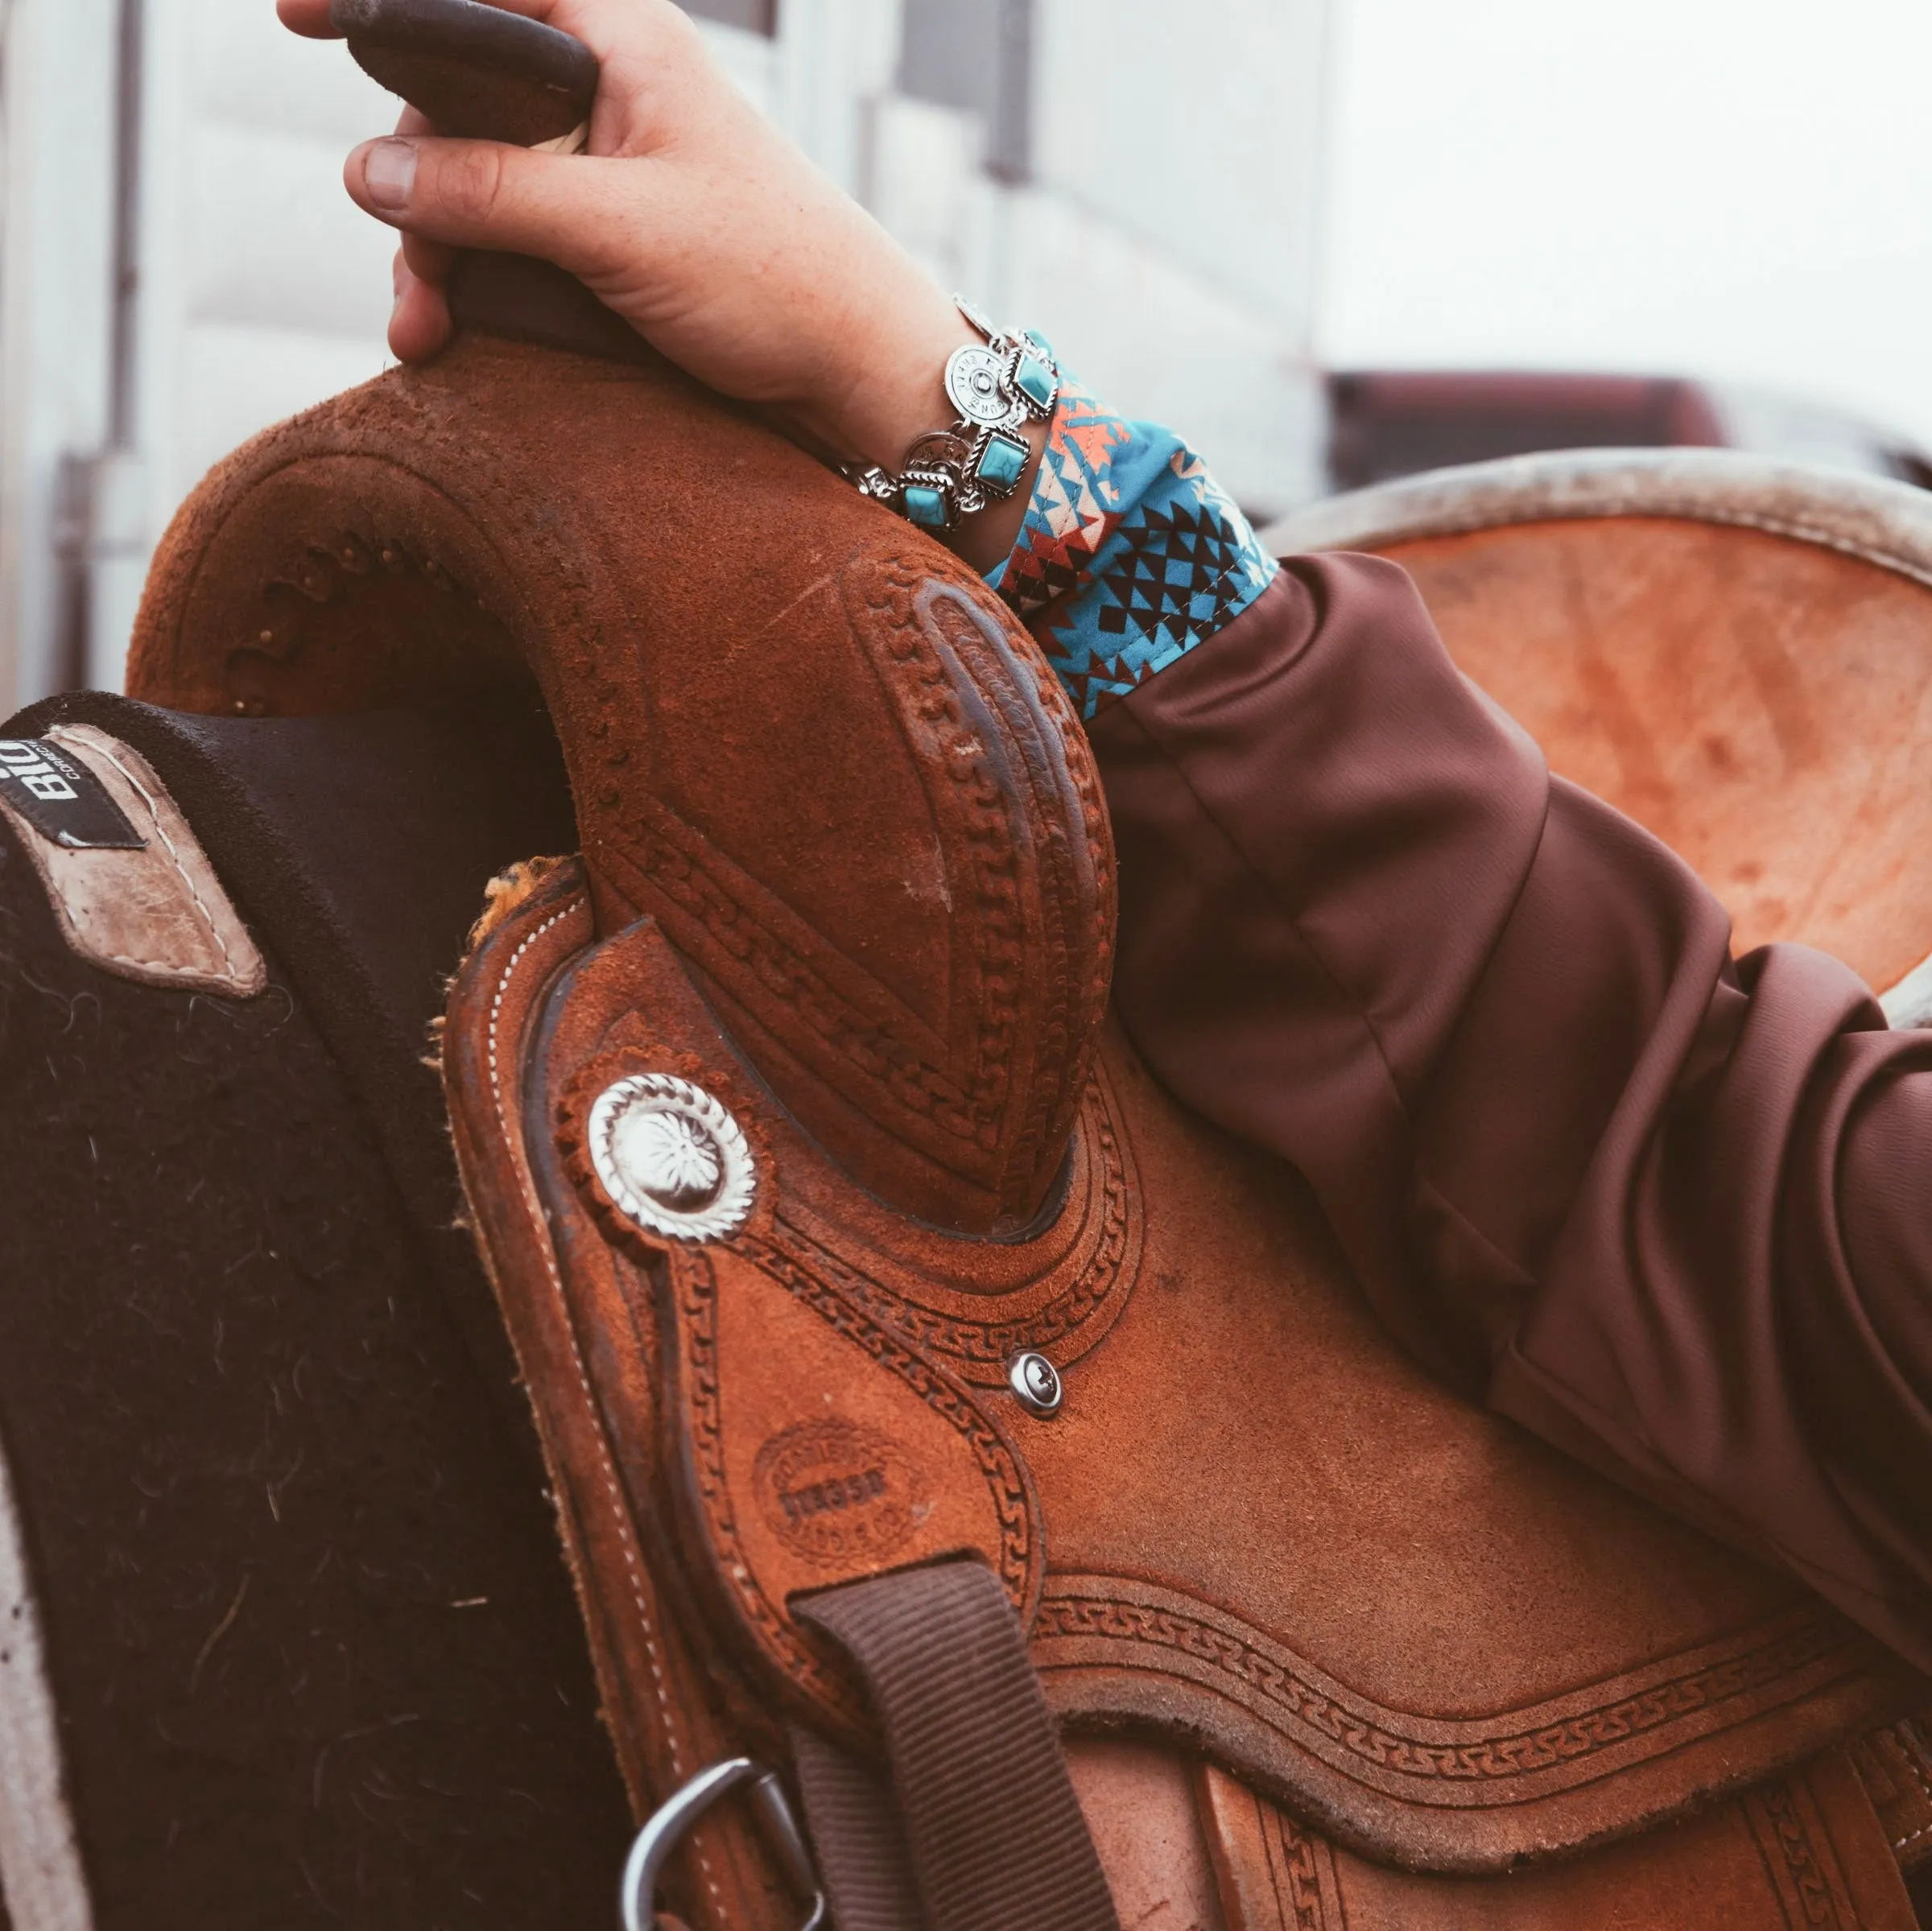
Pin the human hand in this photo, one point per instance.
(697, 221)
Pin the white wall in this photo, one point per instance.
(261, 288)
(1738, 189)
(1166, 245)
(57, 95)
(266, 287)
(1195, 128)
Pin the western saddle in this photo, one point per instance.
(952, 1438)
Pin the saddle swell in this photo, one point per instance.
(836, 955)
(738, 738)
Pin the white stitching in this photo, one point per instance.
(153, 811)
(1924, 1780)
(631, 1559)
(167, 966)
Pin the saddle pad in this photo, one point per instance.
(310, 1651)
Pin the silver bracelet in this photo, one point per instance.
(998, 386)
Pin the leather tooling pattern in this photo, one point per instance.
(1444, 1763)
(952, 1097)
(693, 1288)
(1798, 1854)
(1302, 1868)
(986, 681)
(736, 930)
(1067, 1310)
(353, 577)
(1895, 1764)
(1011, 765)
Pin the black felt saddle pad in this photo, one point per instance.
(310, 1636)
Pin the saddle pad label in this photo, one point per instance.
(62, 800)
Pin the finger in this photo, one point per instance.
(419, 325)
(482, 194)
(426, 260)
(309, 17)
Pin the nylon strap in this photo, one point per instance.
(976, 1827)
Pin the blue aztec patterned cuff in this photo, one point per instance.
(1130, 554)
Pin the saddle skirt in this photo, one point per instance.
(792, 1125)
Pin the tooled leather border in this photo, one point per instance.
(950, 1091)
(1081, 1312)
(693, 1289)
(1516, 1757)
(1802, 1865)
(1801, 1868)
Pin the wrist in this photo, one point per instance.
(948, 431)
(883, 389)
(890, 389)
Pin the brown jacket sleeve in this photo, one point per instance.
(1668, 1210)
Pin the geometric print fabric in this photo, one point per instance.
(1130, 554)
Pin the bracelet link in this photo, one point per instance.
(998, 386)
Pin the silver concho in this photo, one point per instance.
(671, 1157)
(975, 381)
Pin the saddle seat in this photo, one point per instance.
(845, 899)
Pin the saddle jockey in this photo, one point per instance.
(1663, 1207)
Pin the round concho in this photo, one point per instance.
(975, 381)
(671, 1157)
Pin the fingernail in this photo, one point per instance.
(389, 173)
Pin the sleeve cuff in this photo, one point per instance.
(1130, 554)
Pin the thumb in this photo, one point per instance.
(485, 194)
(307, 16)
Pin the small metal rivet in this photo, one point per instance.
(1036, 1382)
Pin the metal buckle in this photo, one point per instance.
(662, 1834)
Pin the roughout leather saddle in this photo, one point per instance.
(879, 1312)
(900, 1352)
(791, 1119)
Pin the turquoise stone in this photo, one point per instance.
(925, 506)
(1034, 380)
(1002, 462)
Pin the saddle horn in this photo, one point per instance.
(477, 72)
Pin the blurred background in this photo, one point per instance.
(1335, 241)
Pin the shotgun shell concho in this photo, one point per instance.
(671, 1157)
(977, 386)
